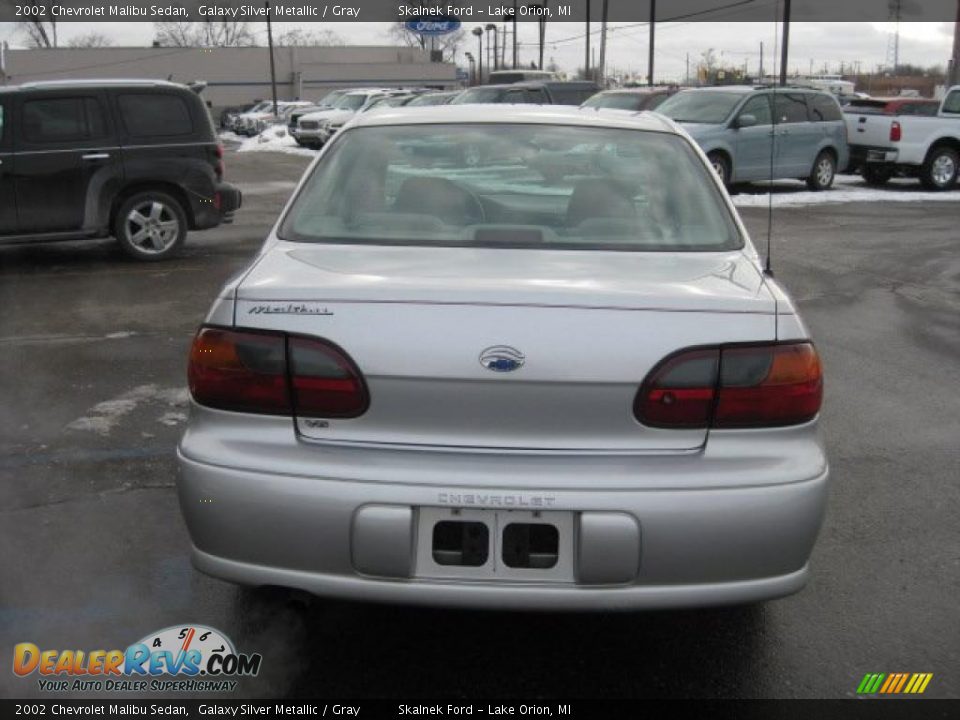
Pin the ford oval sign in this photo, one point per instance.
(433, 27)
(502, 358)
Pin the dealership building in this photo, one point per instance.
(238, 75)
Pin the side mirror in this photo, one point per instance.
(746, 120)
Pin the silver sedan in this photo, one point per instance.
(507, 357)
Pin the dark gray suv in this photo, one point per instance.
(135, 159)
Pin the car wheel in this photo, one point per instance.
(823, 172)
(939, 171)
(721, 166)
(876, 175)
(150, 226)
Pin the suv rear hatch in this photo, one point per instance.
(589, 326)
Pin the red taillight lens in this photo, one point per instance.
(325, 382)
(240, 371)
(896, 132)
(219, 166)
(769, 386)
(681, 391)
(270, 373)
(734, 387)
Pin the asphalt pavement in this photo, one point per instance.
(94, 554)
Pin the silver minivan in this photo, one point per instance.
(760, 133)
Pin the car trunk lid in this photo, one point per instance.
(422, 324)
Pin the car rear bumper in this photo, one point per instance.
(861, 155)
(209, 213)
(343, 531)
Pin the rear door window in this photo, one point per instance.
(63, 119)
(155, 114)
(824, 109)
(790, 108)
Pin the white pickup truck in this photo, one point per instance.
(886, 146)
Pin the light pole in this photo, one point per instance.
(473, 67)
(478, 31)
(514, 34)
(496, 44)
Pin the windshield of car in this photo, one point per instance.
(477, 95)
(617, 101)
(351, 102)
(512, 185)
(330, 99)
(700, 107)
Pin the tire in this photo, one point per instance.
(939, 170)
(721, 166)
(876, 175)
(150, 226)
(823, 172)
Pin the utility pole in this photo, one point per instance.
(543, 34)
(603, 42)
(761, 62)
(273, 69)
(586, 54)
(686, 75)
(954, 78)
(514, 34)
(785, 48)
(478, 31)
(653, 27)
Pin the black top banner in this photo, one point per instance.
(441, 11)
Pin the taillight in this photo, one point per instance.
(896, 132)
(745, 386)
(240, 371)
(273, 374)
(325, 381)
(219, 166)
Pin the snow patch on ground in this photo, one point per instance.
(273, 139)
(172, 418)
(103, 417)
(846, 189)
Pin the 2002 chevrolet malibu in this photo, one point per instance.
(507, 357)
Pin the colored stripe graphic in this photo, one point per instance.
(894, 683)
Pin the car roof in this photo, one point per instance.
(516, 114)
(67, 84)
(639, 90)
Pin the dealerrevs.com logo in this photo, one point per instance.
(188, 658)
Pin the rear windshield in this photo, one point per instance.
(512, 185)
(696, 106)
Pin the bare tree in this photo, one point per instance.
(40, 34)
(209, 33)
(448, 44)
(308, 38)
(90, 40)
(175, 34)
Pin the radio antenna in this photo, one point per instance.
(768, 264)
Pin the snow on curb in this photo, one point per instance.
(273, 139)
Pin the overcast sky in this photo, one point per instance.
(920, 43)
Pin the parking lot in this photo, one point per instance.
(93, 551)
